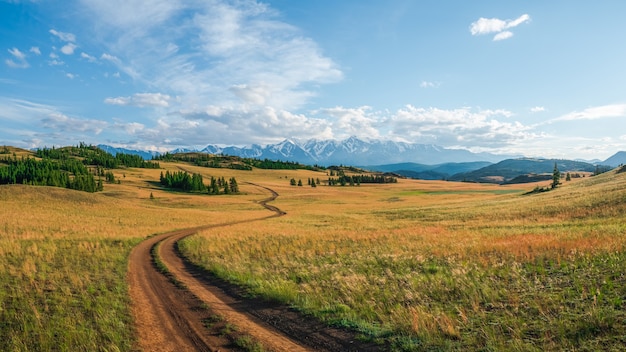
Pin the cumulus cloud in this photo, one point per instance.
(19, 57)
(35, 50)
(68, 49)
(346, 122)
(495, 25)
(141, 100)
(462, 126)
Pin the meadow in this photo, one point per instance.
(64, 257)
(417, 265)
(429, 265)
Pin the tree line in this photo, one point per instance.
(183, 181)
(30, 171)
(268, 164)
(344, 180)
(92, 155)
(234, 162)
(359, 179)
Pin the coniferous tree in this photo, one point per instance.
(556, 177)
(234, 188)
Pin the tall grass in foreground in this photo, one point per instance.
(426, 271)
(64, 260)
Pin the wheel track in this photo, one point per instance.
(165, 320)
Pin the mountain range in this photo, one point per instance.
(351, 151)
(423, 161)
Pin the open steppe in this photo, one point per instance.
(416, 265)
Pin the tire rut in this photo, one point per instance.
(166, 320)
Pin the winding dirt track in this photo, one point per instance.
(170, 319)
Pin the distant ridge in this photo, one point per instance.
(617, 159)
(351, 151)
(510, 169)
(146, 155)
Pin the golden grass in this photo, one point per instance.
(417, 264)
(63, 256)
(425, 259)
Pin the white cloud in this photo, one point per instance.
(60, 122)
(69, 48)
(17, 54)
(348, 122)
(88, 57)
(71, 75)
(502, 36)
(594, 113)
(56, 63)
(257, 95)
(487, 25)
(66, 37)
(109, 57)
(38, 124)
(498, 26)
(427, 84)
(456, 127)
(20, 59)
(223, 125)
(241, 52)
(35, 50)
(537, 109)
(141, 100)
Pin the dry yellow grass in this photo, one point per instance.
(420, 264)
(427, 257)
(63, 256)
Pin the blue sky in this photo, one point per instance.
(539, 78)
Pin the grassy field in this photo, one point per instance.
(442, 266)
(64, 257)
(418, 265)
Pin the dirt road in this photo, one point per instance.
(168, 318)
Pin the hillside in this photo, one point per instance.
(617, 159)
(510, 169)
(429, 172)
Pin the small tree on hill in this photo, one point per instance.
(556, 177)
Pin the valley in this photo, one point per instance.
(410, 265)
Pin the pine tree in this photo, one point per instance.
(234, 188)
(556, 177)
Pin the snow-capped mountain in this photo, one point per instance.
(353, 151)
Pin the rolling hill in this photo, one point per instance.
(510, 169)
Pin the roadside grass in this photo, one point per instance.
(64, 258)
(441, 266)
